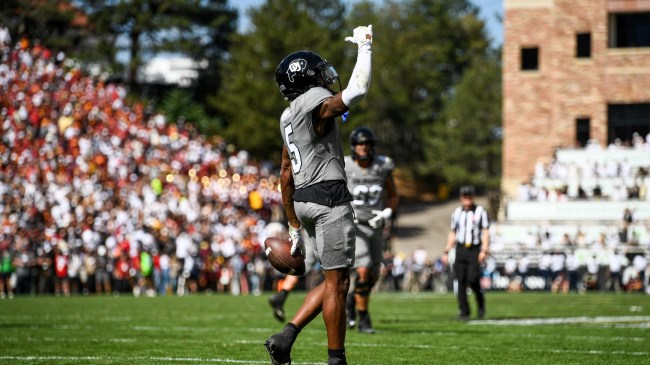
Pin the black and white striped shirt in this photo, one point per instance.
(468, 224)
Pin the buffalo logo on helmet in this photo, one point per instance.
(296, 66)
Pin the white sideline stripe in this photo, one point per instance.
(62, 339)
(587, 352)
(588, 338)
(534, 335)
(193, 329)
(140, 358)
(564, 320)
(634, 325)
(514, 349)
(163, 359)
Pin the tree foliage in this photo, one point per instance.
(179, 105)
(465, 147)
(54, 23)
(249, 99)
(200, 29)
(422, 49)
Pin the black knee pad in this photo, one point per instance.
(362, 288)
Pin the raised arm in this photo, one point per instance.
(359, 83)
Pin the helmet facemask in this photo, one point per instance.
(326, 76)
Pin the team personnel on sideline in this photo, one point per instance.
(314, 186)
(370, 180)
(470, 236)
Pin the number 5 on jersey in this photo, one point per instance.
(296, 160)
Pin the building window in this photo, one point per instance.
(583, 45)
(530, 58)
(629, 30)
(624, 120)
(582, 131)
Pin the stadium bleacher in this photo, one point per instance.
(576, 205)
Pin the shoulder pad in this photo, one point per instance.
(310, 99)
(386, 162)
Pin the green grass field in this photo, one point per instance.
(527, 328)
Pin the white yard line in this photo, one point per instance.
(141, 358)
(194, 329)
(560, 320)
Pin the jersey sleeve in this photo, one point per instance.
(387, 163)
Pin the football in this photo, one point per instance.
(278, 251)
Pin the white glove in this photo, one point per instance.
(380, 217)
(297, 244)
(362, 36)
(360, 79)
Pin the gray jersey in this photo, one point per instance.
(368, 185)
(313, 159)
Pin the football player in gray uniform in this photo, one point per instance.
(314, 186)
(375, 199)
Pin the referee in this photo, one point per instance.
(469, 235)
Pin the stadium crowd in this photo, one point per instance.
(613, 180)
(99, 195)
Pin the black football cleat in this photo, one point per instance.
(279, 350)
(481, 313)
(336, 361)
(366, 329)
(365, 326)
(278, 307)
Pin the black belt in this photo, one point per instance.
(467, 244)
(329, 193)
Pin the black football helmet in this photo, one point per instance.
(467, 190)
(302, 70)
(363, 135)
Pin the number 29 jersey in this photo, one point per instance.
(368, 185)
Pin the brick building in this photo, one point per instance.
(573, 70)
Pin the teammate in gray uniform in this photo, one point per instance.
(314, 186)
(370, 180)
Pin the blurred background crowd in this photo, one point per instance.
(99, 195)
